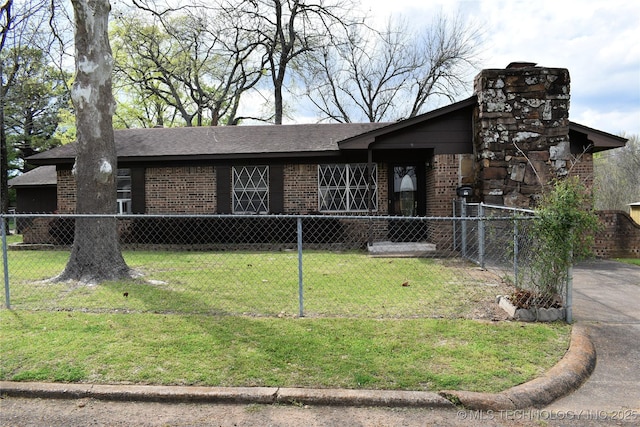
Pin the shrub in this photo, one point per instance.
(564, 231)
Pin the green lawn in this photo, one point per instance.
(632, 261)
(230, 319)
(260, 284)
(412, 354)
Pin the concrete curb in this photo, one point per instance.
(566, 376)
(261, 395)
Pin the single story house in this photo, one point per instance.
(500, 144)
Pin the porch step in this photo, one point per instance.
(408, 249)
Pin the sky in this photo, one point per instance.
(598, 41)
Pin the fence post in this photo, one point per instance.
(569, 297)
(300, 285)
(515, 250)
(5, 261)
(463, 214)
(481, 234)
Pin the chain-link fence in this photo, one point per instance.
(503, 240)
(281, 265)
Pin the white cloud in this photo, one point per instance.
(596, 40)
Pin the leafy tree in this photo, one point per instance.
(617, 176)
(33, 101)
(184, 65)
(31, 90)
(6, 22)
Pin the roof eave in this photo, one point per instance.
(364, 140)
(600, 140)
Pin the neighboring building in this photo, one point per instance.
(36, 190)
(512, 135)
(634, 212)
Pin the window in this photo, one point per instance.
(250, 189)
(345, 188)
(124, 191)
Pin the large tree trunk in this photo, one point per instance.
(96, 255)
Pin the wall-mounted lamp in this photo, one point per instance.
(464, 191)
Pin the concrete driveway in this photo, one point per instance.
(606, 298)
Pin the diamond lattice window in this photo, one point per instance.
(344, 188)
(250, 189)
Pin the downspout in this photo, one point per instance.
(369, 179)
(369, 194)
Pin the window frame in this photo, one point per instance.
(350, 188)
(124, 204)
(250, 188)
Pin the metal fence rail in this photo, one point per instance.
(278, 265)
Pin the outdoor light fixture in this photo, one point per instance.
(464, 191)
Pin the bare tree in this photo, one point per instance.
(287, 29)
(361, 77)
(95, 255)
(391, 74)
(617, 176)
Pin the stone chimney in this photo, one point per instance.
(522, 132)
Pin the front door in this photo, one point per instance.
(407, 197)
(406, 190)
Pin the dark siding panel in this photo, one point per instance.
(138, 205)
(36, 200)
(276, 189)
(451, 134)
(223, 180)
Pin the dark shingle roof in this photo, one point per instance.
(222, 141)
(43, 175)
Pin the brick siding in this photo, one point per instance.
(300, 188)
(180, 190)
(583, 168)
(66, 191)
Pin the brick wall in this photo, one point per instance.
(66, 191)
(583, 168)
(178, 190)
(442, 181)
(300, 188)
(620, 237)
(37, 231)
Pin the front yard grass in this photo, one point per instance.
(632, 261)
(261, 284)
(148, 348)
(231, 319)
